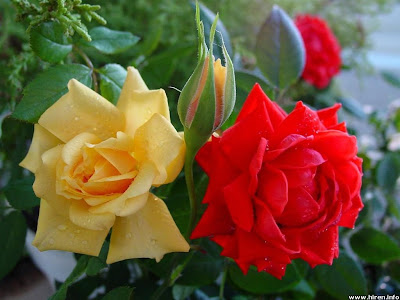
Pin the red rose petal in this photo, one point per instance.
(301, 120)
(239, 143)
(300, 177)
(349, 217)
(335, 145)
(300, 209)
(275, 112)
(239, 202)
(321, 247)
(265, 224)
(255, 165)
(299, 158)
(349, 174)
(288, 142)
(328, 116)
(273, 189)
(215, 220)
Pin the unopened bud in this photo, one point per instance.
(208, 97)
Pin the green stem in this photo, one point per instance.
(222, 286)
(189, 160)
(90, 65)
(174, 275)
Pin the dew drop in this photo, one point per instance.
(51, 241)
(84, 242)
(94, 128)
(61, 227)
(76, 118)
(153, 241)
(128, 235)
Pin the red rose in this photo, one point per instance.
(322, 50)
(280, 185)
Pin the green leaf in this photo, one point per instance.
(112, 78)
(79, 269)
(181, 292)
(20, 194)
(343, 278)
(222, 35)
(120, 293)
(109, 41)
(159, 69)
(12, 241)
(204, 267)
(49, 42)
(47, 88)
(264, 283)
(388, 171)
(391, 78)
(280, 49)
(374, 246)
(352, 106)
(96, 264)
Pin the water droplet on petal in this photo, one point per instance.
(61, 227)
(128, 235)
(153, 241)
(51, 241)
(84, 242)
(76, 118)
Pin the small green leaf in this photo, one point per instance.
(374, 246)
(388, 171)
(47, 88)
(96, 264)
(49, 42)
(109, 41)
(203, 268)
(343, 278)
(120, 293)
(264, 283)
(182, 292)
(77, 272)
(12, 241)
(222, 35)
(20, 194)
(112, 78)
(280, 49)
(391, 78)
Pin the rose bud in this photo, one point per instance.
(208, 97)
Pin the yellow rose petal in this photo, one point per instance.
(82, 110)
(158, 141)
(138, 103)
(57, 232)
(72, 152)
(175, 167)
(132, 205)
(122, 142)
(42, 141)
(45, 181)
(149, 233)
(79, 215)
(141, 185)
(121, 160)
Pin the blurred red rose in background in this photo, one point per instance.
(322, 50)
(280, 185)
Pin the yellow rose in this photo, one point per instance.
(94, 164)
